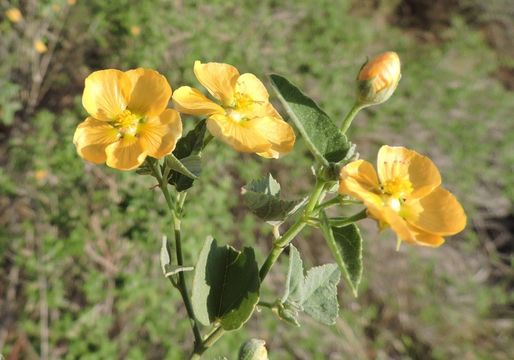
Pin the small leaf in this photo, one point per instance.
(225, 285)
(320, 293)
(262, 197)
(253, 349)
(345, 243)
(315, 293)
(188, 151)
(322, 136)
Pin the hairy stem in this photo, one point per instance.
(350, 116)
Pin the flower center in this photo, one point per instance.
(242, 101)
(127, 123)
(397, 187)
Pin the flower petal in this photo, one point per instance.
(159, 134)
(359, 179)
(426, 239)
(397, 161)
(106, 94)
(279, 133)
(437, 213)
(220, 79)
(125, 154)
(91, 137)
(386, 215)
(248, 84)
(240, 135)
(189, 100)
(150, 93)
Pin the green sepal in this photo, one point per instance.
(188, 152)
(253, 349)
(322, 136)
(225, 285)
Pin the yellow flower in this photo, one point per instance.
(244, 119)
(378, 79)
(14, 15)
(406, 195)
(72, 2)
(40, 46)
(135, 30)
(128, 118)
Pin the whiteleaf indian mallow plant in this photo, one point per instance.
(131, 127)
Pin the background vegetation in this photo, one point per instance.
(79, 244)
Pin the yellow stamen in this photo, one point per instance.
(127, 123)
(397, 187)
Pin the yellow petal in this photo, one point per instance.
(399, 162)
(279, 133)
(220, 79)
(240, 135)
(188, 100)
(386, 215)
(159, 134)
(106, 94)
(150, 92)
(125, 154)
(426, 239)
(91, 138)
(248, 84)
(359, 179)
(437, 213)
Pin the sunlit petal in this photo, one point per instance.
(106, 94)
(125, 154)
(159, 134)
(189, 100)
(92, 137)
(437, 213)
(279, 133)
(220, 79)
(240, 135)
(248, 84)
(150, 92)
(359, 179)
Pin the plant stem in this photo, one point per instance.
(340, 222)
(350, 116)
(175, 209)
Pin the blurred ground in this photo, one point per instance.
(80, 275)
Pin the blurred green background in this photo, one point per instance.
(79, 244)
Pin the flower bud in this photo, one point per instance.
(253, 349)
(378, 79)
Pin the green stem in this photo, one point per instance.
(181, 285)
(340, 222)
(350, 116)
(266, 304)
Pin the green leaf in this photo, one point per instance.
(345, 243)
(253, 349)
(188, 151)
(315, 293)
(263, 198)
(322, 136)
(225, 285)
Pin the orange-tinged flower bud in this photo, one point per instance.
(14, 15)
(135, 30)
(378, 79)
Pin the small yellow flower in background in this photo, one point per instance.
(72, 2)
(245, 119)
(40, 46)
(378, 79)
(135, 30)
(56, 8)
(128, 118)
(41, 175)
(406, 195)
(14, 15)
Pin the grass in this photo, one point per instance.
(79, 243)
